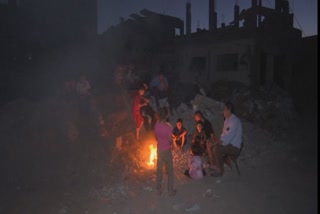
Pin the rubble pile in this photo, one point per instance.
(110, 192)
(269, 107)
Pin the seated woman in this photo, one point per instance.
(199, 137)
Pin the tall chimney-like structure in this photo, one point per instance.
(188, 19)
(277, 5)
(212, 16)
(236, 15)
(254, 3)
(259, 15)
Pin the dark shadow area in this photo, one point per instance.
(67, 108)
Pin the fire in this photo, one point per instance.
(153, 155)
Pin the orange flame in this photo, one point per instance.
(153, 155)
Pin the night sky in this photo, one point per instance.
(110, 11)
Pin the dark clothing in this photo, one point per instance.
(220, 152)
(207, 127)
(147, 111)
(200, 138)
(165, 157)
(177, 132)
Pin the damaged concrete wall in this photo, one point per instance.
(211, 68)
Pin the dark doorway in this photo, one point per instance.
(198, 65)
(279, 70)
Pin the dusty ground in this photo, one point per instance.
(48, 174)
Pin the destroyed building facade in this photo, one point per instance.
(145, 38)
(257, 48)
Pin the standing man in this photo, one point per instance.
(230, 140)
(162, 131)
(160, 89)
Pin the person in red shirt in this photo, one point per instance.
(139, 101)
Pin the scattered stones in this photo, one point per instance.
(207, 194)
(194, 208)
(110, 192)
(63, 210)
(186, 206)
(148, 188)
(270, 107)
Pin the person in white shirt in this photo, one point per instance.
(230, 140)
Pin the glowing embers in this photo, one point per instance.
(152, 156)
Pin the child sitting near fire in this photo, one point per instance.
(199, 137)
(179, 134)
(195, 163)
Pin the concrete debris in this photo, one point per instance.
(269, 107)
(186, 206)
(182, 108)
(148, 188)
(115, 191)
(207, 194)
(194, 208)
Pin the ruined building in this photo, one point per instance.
(258, 47)
(146, 37)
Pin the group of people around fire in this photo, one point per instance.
(206, 147)
(150, 109)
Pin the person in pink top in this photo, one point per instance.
(163, 130)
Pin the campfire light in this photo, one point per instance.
(153, 155)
